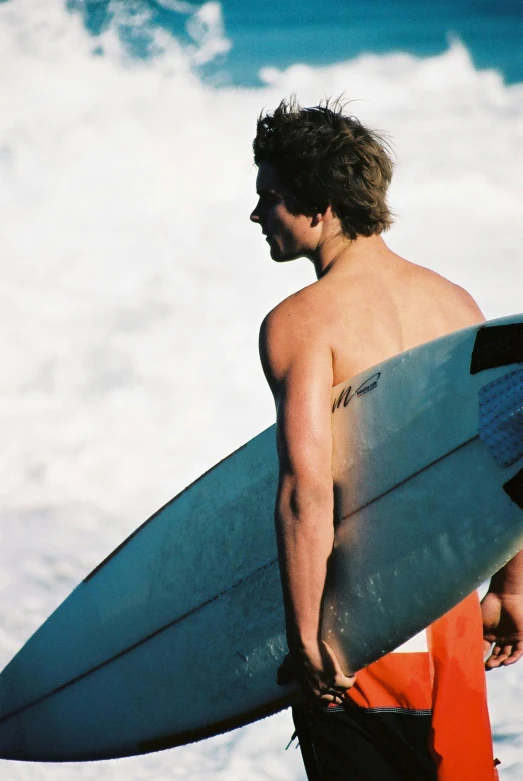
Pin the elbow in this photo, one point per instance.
(301, 501)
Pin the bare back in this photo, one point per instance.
(371, 313)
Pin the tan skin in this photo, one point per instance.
(367, 305)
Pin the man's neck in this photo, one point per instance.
(338, 252)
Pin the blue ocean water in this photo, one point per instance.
(278, 34)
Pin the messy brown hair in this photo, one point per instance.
(328, 158)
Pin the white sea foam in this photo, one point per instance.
(133, 286)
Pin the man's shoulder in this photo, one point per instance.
(468, 306)
(292, 333)
(297, 312)
(454, 297)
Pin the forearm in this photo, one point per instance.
(305, 535)
(509, 579)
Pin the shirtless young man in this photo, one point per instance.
(322, 185)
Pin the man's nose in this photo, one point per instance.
(255, 216)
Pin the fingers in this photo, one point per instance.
(498, 656)
(321, 680)
(327, 693)
(330, 697)
(345, 681)
(504, 655)
(513, 658)
(337, 691)
(513, 653)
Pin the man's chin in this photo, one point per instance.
(282, 257)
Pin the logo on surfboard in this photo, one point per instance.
(347, 393)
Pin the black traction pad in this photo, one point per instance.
(501, 417)
(497, 345)
(514, 488)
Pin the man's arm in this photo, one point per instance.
(298, 367)
(502, 609)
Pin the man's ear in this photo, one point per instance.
(321, 216)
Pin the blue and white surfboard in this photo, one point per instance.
(428, 471)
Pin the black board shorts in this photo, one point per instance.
(350, 743)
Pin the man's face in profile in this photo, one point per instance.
(289, 234)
